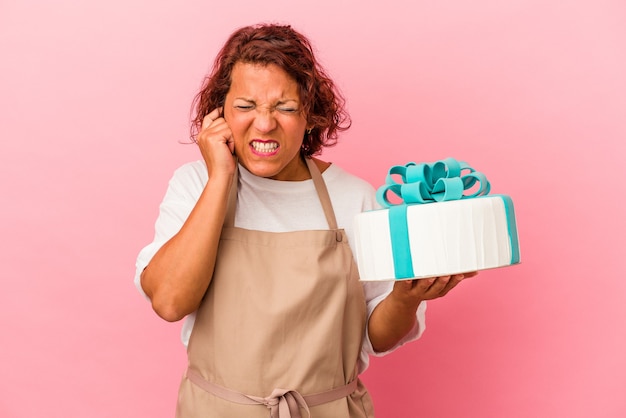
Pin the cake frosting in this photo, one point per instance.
(442, 230)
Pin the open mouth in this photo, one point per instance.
(264, 147)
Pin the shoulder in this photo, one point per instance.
(346, 187)
(189, 179)
(336, 175)
(192, 170)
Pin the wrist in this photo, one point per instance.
(220, 180)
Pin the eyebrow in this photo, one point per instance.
(279, 102)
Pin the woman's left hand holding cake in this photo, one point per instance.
(395, 315)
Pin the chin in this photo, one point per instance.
(261, 169)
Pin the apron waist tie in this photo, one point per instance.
(282, 403)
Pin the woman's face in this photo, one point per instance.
(264, 113)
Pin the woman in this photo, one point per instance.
(251, 246)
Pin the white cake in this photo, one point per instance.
(444, 238)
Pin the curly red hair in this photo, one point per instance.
(281, 45)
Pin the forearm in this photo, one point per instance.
(395, 316)
(390, 322)
(179, 274)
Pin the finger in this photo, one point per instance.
(210, 117)
(452, 283)
(424, 284)
(206, 122)
(404, 285)
(438, 285)
(457, 277)
(231, 145)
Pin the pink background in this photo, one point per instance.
(94, 97)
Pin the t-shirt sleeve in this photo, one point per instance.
(182, 193)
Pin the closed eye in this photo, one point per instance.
(287, 109)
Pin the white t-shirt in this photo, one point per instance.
(275, 206)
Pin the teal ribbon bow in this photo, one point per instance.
(443, 180)
(432, 182)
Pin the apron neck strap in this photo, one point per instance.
(322, 192)
(229, 220)
(318, 182)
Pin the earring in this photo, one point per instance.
(308, 131)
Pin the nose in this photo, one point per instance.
(264, 120)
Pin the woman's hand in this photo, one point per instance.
(411, 293)
(216, 144)
(394, 317)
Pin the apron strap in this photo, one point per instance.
(322, 192)
(318, 182)
(229, 220)
(282, 403)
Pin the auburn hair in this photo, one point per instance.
(280, 45)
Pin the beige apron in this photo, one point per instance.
(280, 329)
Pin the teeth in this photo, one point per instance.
(264, 146)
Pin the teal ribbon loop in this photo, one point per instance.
(443, 180)
(440, 181)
